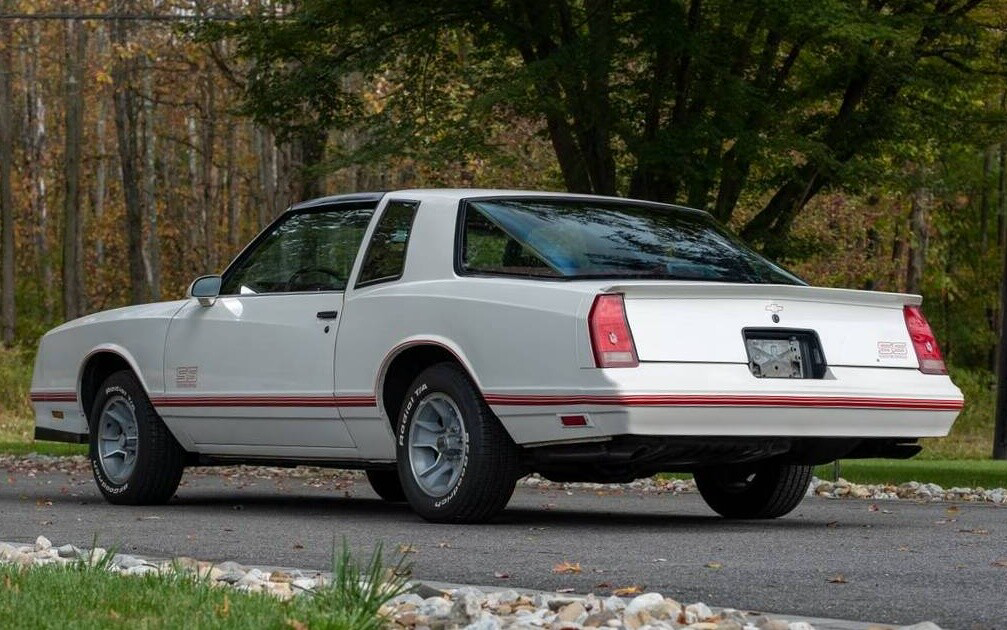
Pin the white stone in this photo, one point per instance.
(434, 607)
(697, 612)
(647, 601)
(406, 598)
(42, 543)
(615, 604)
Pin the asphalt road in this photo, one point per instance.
(900, 563)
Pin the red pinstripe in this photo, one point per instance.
(60, 396)
(263, 401)
(658, 400)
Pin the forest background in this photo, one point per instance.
(863, 144)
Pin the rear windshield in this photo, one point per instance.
(563, 238)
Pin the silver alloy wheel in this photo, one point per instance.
(117, 439)
(437, 444)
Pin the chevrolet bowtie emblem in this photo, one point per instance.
(774, 308)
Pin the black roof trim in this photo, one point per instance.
(348, 198)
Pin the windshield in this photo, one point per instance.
(587, 238)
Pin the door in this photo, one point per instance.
(252, 374)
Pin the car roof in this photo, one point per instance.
(458, 194)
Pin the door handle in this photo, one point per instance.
(327, 314)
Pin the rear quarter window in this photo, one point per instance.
(385, 258)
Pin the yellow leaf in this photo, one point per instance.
(403, 548)
(713, 565)
(567, 567)
(626, 591)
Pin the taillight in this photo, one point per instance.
(611, 338)
(924, 341)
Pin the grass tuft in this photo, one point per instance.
(91, 596)
(358, 591)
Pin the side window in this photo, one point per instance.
(487, 248)
(386, 253)
(311, 250)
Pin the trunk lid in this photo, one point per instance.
(703, 322)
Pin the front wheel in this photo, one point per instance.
(457, 464)
(134, 458)
(755, 490)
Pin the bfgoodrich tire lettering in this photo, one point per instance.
(754, 491)
(489, 467)
(159, 460)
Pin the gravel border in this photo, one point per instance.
(439, 606)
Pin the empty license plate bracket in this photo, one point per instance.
(784, 353)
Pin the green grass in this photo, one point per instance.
(42, 448)
(16, 420)
(82, 597)
(947, 473)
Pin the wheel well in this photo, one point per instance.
(99, 366)
(404, 369)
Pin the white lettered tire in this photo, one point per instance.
(134, 458)
(457, 464)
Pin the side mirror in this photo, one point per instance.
(205, 289)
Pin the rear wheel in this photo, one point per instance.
(754, 491)
(386, 485)
(456, 462)
(134, 458)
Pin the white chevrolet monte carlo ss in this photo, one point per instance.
(450, 341)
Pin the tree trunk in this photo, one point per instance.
(152, 257)
(75, 50)
(124, 102)
(101, 161)
(311, 147)
(6, 196)
(918, 240)
(1000, 416)
(35, 152)
(266, 150)
(207, 141)
(230, 190)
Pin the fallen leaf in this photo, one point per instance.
(298, 546)
(626, 591)
(832, 524)
(974, 530)
(403, 548)
(564, 590)
(904, 548)
(443, 545)
(1002, 562)
(224, 609)
(838, 578)
(500, 575)
(567, 567)
(296, 625)
(548, 506)
(873, 507)
(713, 565)
(954, 509)
(603, 585)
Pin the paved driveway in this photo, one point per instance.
(895, 562)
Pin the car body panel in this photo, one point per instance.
(270, 383)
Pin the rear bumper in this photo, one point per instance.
(726, 400)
